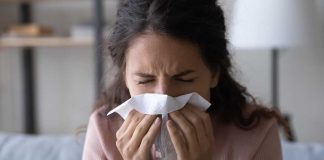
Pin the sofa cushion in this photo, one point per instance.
(40, 147)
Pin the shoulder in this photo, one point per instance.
(102, 122)
(254, 135)
(98, 115)
(100, 138)
(246, 142)
(266, 123)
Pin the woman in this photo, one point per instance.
(176, 47)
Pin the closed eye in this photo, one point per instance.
(184, 80)
(146, 81)
(185, 76)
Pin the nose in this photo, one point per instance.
(164, 87)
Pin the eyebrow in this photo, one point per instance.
(146, 75)
(184, 73)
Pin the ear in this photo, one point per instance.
(214, 80)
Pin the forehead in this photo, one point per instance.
(152, 52)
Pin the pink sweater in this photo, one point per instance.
(232, 143)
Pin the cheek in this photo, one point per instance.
(129, 84)
(135, 89)
(204, 92)
(178, 90)
(206, 95)
(203, 88)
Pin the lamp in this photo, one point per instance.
(275, 25)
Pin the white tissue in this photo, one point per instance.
(160, 104)
(154, 104)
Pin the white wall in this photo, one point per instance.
(301, 81)
(10, 91)
(66, 83)
(302, 91)
(65, 88)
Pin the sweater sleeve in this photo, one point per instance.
(92, 148)
(270, 147)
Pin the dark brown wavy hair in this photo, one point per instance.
(198, 21)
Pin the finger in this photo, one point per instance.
(141, 129)
(178, 143)
(198, 123)
(131, 116)
(205, 118)
(125, 142)
(150, 136)
(124, 137)
(133, 124)
(187, 129)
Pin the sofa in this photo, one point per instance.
(40, 147)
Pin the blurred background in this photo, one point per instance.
(65, 69)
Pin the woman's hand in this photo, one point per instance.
(136, 136)
(196, 140)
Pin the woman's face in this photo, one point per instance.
(157, 63)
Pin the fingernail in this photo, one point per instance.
(169, 123)
(157, 121)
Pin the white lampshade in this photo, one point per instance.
(272, 23)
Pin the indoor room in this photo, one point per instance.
(61, 61)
